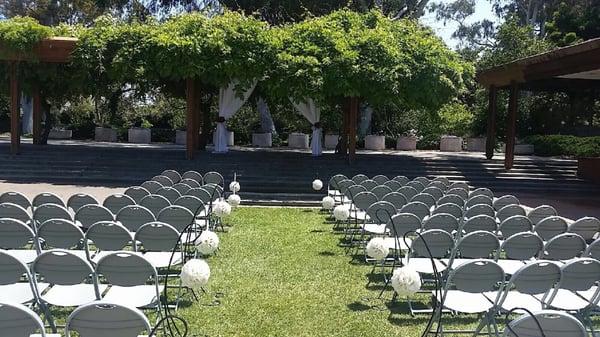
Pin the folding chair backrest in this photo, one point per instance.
(163, 180)
(60, 233)
(47, 198)
(536, 277)
(425, 198)
(553, 323)
(563, 247)
(334, 181)
(359, 178)
(441, 221)
(593, 250)
(181, 188)
(452, 199)
(214, 178)
(394, 185)
(438, 241)
(14, 233)
(408, 192)
(515, 224)
(522, 246)
(51, 211)
(401, 179)
(190, 182)
(460, 185)
(381, 212)
(90, 214)
(172, 174)
(380, 191)
(353, 190)
(580, 274)
(176, 216)
(137, 193)
(17, 320)
(14, 211)
(449, 208)
(15, 198)
(478, 245)
(418, 186)
(61, 267)
(215, 191)
(417, 208)
(395, 198)
(550, 227)
(403, 223)
(116, 202)
(191, 203)
(436, 192)
(364, 200)
(134, 216)
(480, 223)
(155, 203)
(510, 210)
(369, 184)
(11, 269)
(76, 201)
(194, 175)
(504, 201)
(478, 200)
(587, 227)
(463, 193)
(201, 194)
(444, 180)
(126, 269)
(108, 236)
(436, 185)
(422, 180)
(170, 193)
(151, 186)
(157, 236)
(380, 179)
(478, 210)
(541, 212)
(100, 319)
(482, 191)
(477, 276)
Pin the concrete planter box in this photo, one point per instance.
(451, 144)
(476, 144)
(331, 141)
(589, 168)
(139, 136)
(406, 143)
(230, 139)
(374, 142)
(262, 139)
(105, 134)
(60, 134)
(297, 140)
(524, 149)
(180, 137)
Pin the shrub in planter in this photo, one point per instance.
(563, 145)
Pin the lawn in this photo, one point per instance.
(280, 272)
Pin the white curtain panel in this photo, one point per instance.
(229, 103)
(308, 108)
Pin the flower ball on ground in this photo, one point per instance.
(195, 274)
(341, 212)
(207, 243)
(377, 249)
(221, 208)
(406, 281)
(328, 203)
(234, 200)
(317, 184)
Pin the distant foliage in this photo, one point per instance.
(21, 34)
(561, 145)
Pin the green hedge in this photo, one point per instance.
(561, 145)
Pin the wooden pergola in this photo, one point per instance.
(564, 69)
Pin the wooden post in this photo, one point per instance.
(15, 109)
(352, 128)
(490, 143)
(345, 121)
(37, 116)
(197, 118)
(190, 140)
(509, 154)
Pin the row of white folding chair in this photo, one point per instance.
(158, 183)
(211, 177)
(95, 319)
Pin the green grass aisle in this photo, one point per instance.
(282, 273)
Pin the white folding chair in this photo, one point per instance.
(116, 202)
(515, 224)
(163, 180)
(563, 247)
(137, 193)
(107, 237)
(14, 211)
(12, 289)
(553, 324)
(15, 198)
(193, 175)
(155, 203)
(76, 201)
(550, 227)
(170, 193)
(62, 234)
(151, 186)
(518, 249)
(47, 198)
(421, 210)
(134, 216)
(46, 212)
(173, 175)
(213, 178)
(510, 210)
(102, 319)
(541, 212)
(16, 320)
(18, 239)
(156, 242)
(504, 201)
(90, 214)
(588, 227)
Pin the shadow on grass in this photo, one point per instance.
(318, 231)
(327, 253)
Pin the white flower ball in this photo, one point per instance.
(234, 200)
(377, 249)
(221, 208)
(341, 212)
(195, 274)
(207, 243)
(406, 281)
(328, 203)
(234, 187)
(317, 185)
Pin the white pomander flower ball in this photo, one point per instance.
(207, 243)
(234, 186)
(328, 203)
(221, 208)
(341, 212)
(317, 184)
(406, 281)
(377, 249)
(234, 200)
(195, 274)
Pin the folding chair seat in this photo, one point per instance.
(515, 224)
(408, 192)
(151, 186)
(134, 216)
(156, 242)
(504, 201)
(449, 208)
(380, 191)
(436, 192)
(62, 234)
(563, 247)
(380, 179)
(369, 184)
(550, 227)
(100, 319)
(18, 239)
(397, 227)
(12, 290)
(587, 227)
(479, 200)
(214, 178)
(418, 186)
(474, 245)
(401, 179)
(482, 191)
(107, 237)
(155, 203)
(90, 214)
(519, 249)
(14, 211)
(359, 178)
(15, 198)
(417, 208)
(76, 201)
(170, 193)
(541, 212)
(46, 212)
(116, 202)
(510, 210)
(163, 180)
(396, 199)
(173, 175)
(138, 193)
(193, 175)
(47, 198)
(392, 184)
(441, 221)
(176, 216)
(17, 320)
(452, 199)
(463, 193)
(190, 182)
(479, 223)
(578, 288)
(553, 323)
(425, 198)
(378, 214)
(440, 244)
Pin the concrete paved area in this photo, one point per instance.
(63, 191)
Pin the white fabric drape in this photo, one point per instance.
(229, 103)
(308, 108)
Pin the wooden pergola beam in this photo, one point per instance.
(353, 115)
(50, 50)
(490, 143)
(511, 126)
(37, 115)
(15, 111)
